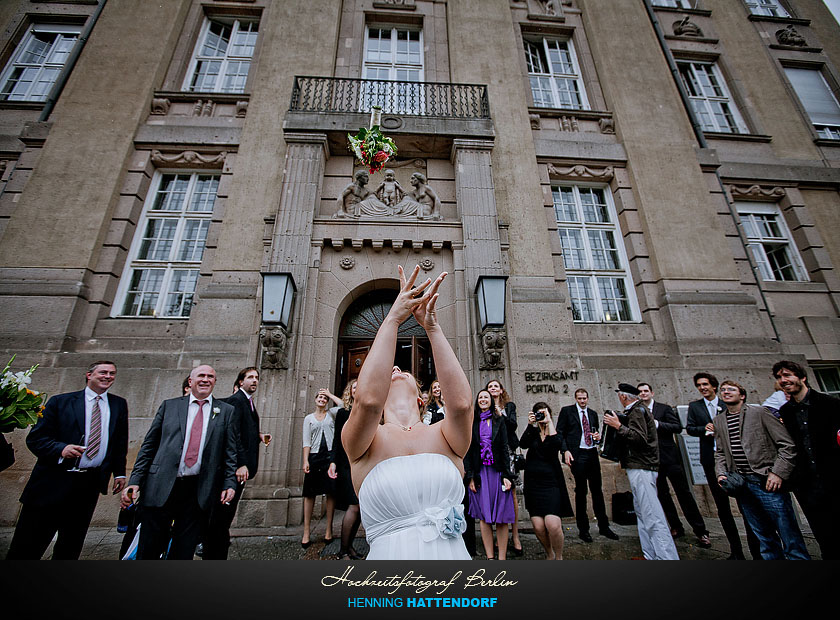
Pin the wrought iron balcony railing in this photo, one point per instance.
(434, 99)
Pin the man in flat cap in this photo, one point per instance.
(640, 457)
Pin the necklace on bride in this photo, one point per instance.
(405, 428)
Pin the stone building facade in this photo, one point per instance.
(158, 157)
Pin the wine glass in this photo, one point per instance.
(79, 458)
(266, 440)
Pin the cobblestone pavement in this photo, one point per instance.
(280, 543)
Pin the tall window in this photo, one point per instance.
(677, 4)
(770, 8)
(222, 56)
(770, 242)
(393, 55)
(599, 286)
(710, 98)
(168, 246)
(37, 61)
(818, 100)
(554, 74)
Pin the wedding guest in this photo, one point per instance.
(487, 465)
(546, 497)
(318, 434)
(436, 404)
(507, 408)
(345, 495)
(80, 441)
(427, 415)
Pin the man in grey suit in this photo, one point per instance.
(186, 462)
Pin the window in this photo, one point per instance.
(828, 378)
(222, 56)
(769, 241)
(168, 246)
(554, 74)
(393, 55)
(769, 8)
(593, 253)
(710, 98)
(37, 61)
(818, 100)
(677, 4)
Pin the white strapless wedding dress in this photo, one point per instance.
(412, 509)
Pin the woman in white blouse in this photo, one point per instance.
(318, 433)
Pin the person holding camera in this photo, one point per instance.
(640, 458)
(546, 497)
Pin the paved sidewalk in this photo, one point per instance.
(284, 544)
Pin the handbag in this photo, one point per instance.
(518, 462)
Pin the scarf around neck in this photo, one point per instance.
(485, 435)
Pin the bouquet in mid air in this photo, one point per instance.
(371, 146)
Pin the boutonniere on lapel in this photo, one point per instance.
(216, 411)
(719, 409)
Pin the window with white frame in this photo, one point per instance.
(222, 56)
(818, 100)
(676, 4)
(37, 62)
(593, 253)
(828, 378)
(711, 98)
(160, 279)
(768, 8)
(393, 55)
(769, 240)
(554, 74)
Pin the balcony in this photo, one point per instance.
(435, 99)
(435, 111)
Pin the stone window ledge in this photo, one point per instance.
(779, 20)
(745, 137)
(793, 287)
(672, 9)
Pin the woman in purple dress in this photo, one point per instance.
(487, 467)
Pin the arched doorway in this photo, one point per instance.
(358, 329)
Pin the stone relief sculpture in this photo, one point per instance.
(273, 341)
(551, 7)
(390, 191)
(389, 199)
(789, 36)
(493, 343)
(686, 28)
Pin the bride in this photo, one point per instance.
(409, 476)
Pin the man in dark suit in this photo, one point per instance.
(578, 426)
(217, 538)
(80, 441)
(186, 463)
(699, 424)
(813, 421)
(670, 468)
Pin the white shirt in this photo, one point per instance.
(85, 462)
(581, 413)
(183, 470)
(711, 407)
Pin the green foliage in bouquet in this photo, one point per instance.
(372, 148)
(19, 406)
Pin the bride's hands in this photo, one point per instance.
(425, 312)
(409, 298)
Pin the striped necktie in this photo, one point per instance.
(95, 429)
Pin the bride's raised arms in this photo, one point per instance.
(456, 426)
(374, 380)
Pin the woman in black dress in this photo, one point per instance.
(345, 495)
(546, 497)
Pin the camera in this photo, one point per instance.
(539, 416)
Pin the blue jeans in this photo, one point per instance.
(768, 513)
